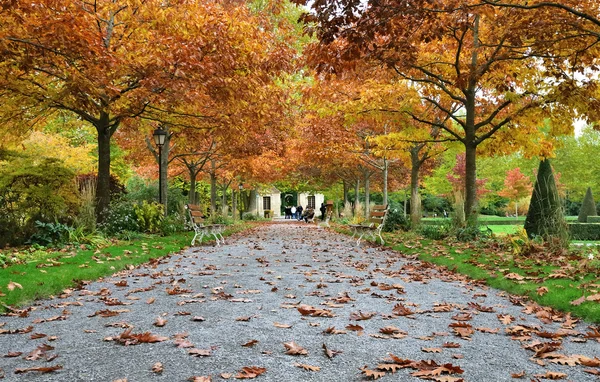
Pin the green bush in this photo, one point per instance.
(593, 219)
(472, 232)
(172, 224)
(139, 190)
(34, 189)
(149, 216)
(246, 216)
(395, 219)
(120, 218)
(435, 232)
(49, 234)
(584, 231)
(588, 207)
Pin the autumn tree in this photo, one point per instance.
(108, 62)
(473, 63)
(516, 186)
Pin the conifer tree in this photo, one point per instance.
(588, 208)
(545, 216)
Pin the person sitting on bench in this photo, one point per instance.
(309, 215)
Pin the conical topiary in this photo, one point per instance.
(545, 217)
(588, 208)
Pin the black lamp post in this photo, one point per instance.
(159, 138)
(241, 188)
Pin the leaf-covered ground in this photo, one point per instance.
(292, 302)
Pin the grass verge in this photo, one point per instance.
(50, 273)
(556, 281)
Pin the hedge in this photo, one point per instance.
(593, 219)
(584, 231)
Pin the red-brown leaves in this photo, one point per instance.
(200, 352)
(43, 370)
(250, 372)
(360, 316)
(373, 374)
(330, 353)
(462, 329)
(401, 310)
(127, 338)
(160, 322)
(157, 368)
(250, 343)
(294, 349)
(307, 310)
(307, 367)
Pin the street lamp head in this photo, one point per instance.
(241, 186)
(159, 136)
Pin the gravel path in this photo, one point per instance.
(215, 300)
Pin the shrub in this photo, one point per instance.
(246, 216)
(34, 189)
(173, 223)
(593, 219)
(545, 216)
(435, 232)
(584, 231)
(120, 218)
(48, 234)
(588, 207)
(149, 216)
(395, 219)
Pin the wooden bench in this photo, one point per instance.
(372, 227)
(201, 229)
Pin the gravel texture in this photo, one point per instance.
(259, 278)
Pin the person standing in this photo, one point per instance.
(299, 210)
(323, 209)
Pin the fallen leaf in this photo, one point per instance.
(330, 353)
(160, 322)
(518, 375)
(250, 343)
(431, 350)
(551, 375)
(542, 291)
(12, 285)
(294, 349)
(283, 326)
(150, 300)
(250, 372)
(43, 370)
(157, 368)
(360, 316)
(307, 367)
(372, 373)
(202, 378)
(579, 301)
(199, 352)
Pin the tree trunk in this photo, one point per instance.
(103, 183)
(415, 198)
(470, 183)
(224, 201)
(164, 165)
(356, 196)
(385, 181)
(192, 195)
(213, 189)
(367, 193)
(345, 185)
(233, 204)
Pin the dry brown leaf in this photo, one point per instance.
(307, 310)
(150, 300)
(360, 316)
(250, 343)
(43, 370)
(294, 349)
(590, 362)
(12, 285)
(202, 378)
(542, 291)
(551, 375)
(431, 350)
(451, 345)
(401, 310)
(333, 330)
(160, 322)
(592, 371)
(579, 301)
(250, 372)
(283, 326)
(157, 368)
(518, 375)
(12, 354)
(307, 367)
(226, 375)
(330, 353)
(355, 328)
(374, 374)
(199, 352)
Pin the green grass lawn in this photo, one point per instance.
(48, 273)
(566, 278)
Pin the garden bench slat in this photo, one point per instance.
(376, 222)
(201, 229)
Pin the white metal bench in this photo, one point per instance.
(201, 229)
(372, 227)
